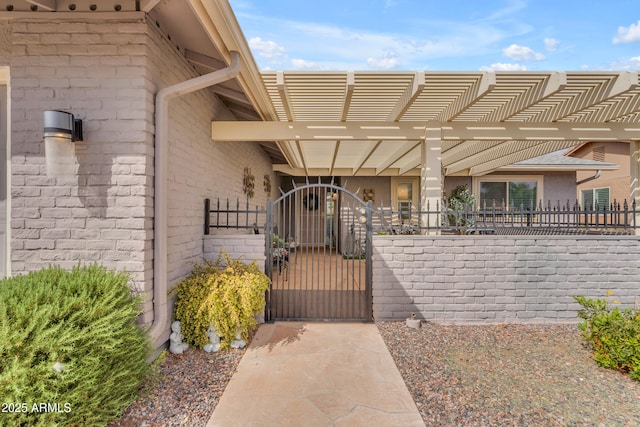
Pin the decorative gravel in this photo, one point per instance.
(491, 375)
(509, 375)
(185, 391)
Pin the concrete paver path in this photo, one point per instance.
(316, 374)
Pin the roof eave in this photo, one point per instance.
(227, 35)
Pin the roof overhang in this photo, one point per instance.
(204, 31)
(372, 123)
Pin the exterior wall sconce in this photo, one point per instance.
(61, 130)
(61, 123)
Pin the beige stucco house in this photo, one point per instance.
(174, 110)
(604, 186)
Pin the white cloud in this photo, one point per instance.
(301, 64)
(633, 64)
(268, 49)
(388, 61)
(423, 41)
(522, 53)
(551, 45)
(504, 67)
(628, 34)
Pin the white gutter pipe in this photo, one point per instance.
(160, 324)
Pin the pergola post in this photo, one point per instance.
(431, 175)
(634, 183)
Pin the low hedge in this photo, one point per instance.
(224, 295)
(613, 333)
(70, 351)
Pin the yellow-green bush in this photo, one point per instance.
(223, 297)
(71, 353)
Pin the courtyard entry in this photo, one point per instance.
(318, 239)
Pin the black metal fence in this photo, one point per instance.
(233, 216)
(494, 218)
(498, 218)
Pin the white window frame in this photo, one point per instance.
(539, 180)
(593, 193)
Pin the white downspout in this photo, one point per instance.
(160, 318)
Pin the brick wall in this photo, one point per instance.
(106, 71)
(199, 168)
(95, 70)
(248, 247)
(465, 279)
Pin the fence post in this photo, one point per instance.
(268, 264)
(368, 250)
(207, 216)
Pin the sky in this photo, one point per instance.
(453, 35)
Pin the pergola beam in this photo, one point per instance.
(476, 92)
(335, 157)
(284, 96)
(296, 171)
(408, 97)
(538, 149)
(365, 156)
(348, 95)
(414, 131)
(465, 149)
(545, 88)
(399, 153)
(484, 155)
(588, 95)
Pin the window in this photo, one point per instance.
(595, 197)
(509, 191)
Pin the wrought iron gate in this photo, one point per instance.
(318, 239)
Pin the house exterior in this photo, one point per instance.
(605, 186)
(174, 111)
(106, 67)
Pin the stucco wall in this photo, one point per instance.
(466, 279)
(380, 185)
(618, 181)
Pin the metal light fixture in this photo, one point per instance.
(62, 124)
(61, 130)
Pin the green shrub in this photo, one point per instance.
(460, 204)
(225, 298)
(613, 333)
(70, 351)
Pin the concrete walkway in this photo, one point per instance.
(316, 374)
